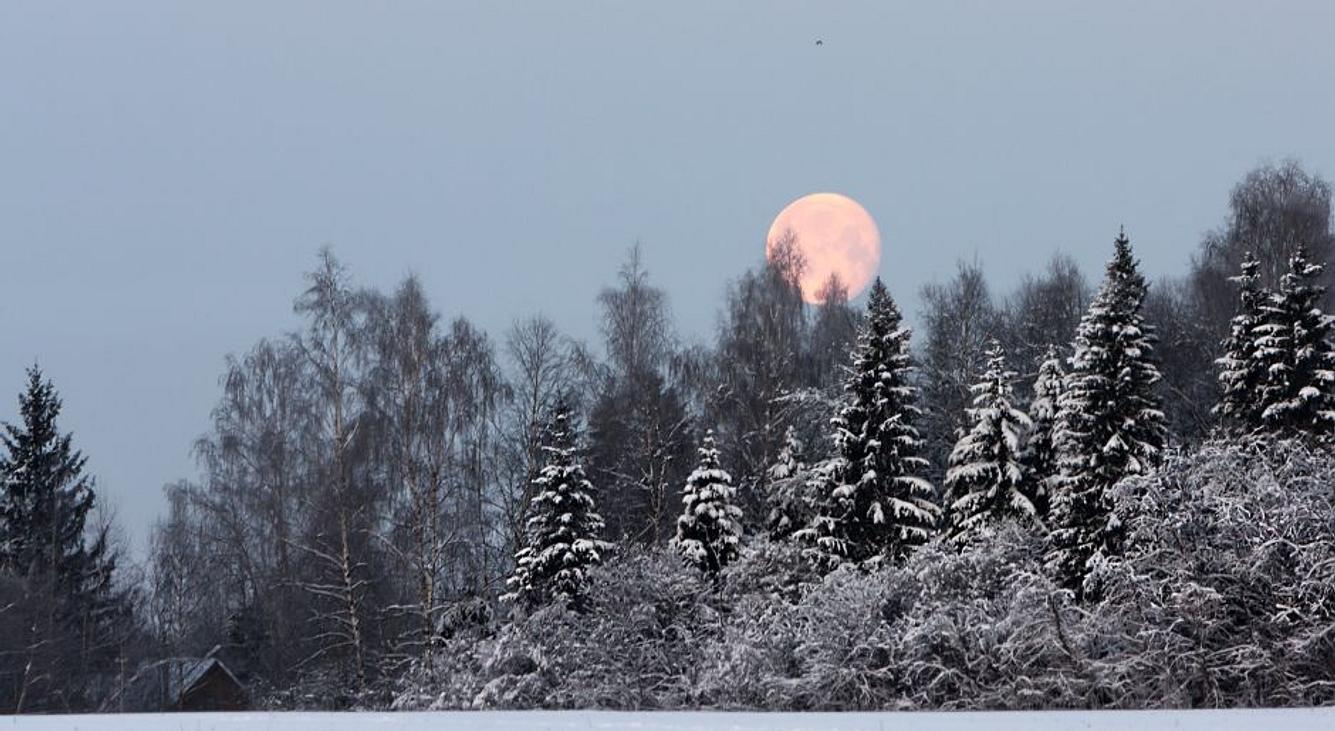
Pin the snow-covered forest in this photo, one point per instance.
(1112, 489)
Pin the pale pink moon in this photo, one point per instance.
(835, 236)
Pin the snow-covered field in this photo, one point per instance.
(1260, 720)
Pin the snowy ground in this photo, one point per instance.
(1265, 720)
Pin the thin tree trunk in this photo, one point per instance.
(347, 565)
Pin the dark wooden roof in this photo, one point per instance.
(177, 683)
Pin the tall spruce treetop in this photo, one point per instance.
(986, 481)
(1240, 370)
(709, 530)
(563, 531)
(1295, 349)
(1040, 453)
(1109, 424)
(45, 499)
(875, 503)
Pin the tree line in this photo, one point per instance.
(374, 482)
(870, 500)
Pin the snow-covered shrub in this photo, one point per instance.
(650, 614)
(948, 628)
(812, 653)
(1227, 591)
(632, 646)
(773, 570)
(987, 628)
(1224, 596)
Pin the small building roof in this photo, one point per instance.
(165, 683)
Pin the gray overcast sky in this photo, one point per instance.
(168, 170)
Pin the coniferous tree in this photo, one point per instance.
(563, 529)
(709, 529)
(67, 624)
(1296, 353)
(875, 504)
(786, 488)
(45, 502)
(1039, 457)
(1240, 370)
(986, 481)
(1109, 423)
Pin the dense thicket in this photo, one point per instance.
(1223, 599)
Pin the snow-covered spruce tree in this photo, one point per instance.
(563, 528)
(1039, 457)
(1240, 371)
(1295, 349)
(786, 489)
(1109, 424)
(874, 503)
(986, 481)
(709, 530)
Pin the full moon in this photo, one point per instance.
(835, 235)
